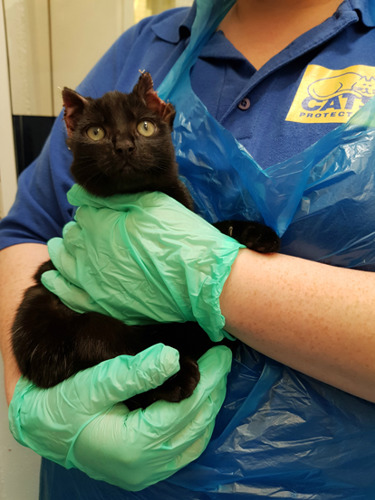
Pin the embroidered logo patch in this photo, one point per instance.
(332, 96)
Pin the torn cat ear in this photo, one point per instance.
(74, 104)
(145, 89)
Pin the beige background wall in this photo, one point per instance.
(53, 43)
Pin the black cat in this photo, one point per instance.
(121, 143)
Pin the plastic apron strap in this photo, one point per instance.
(209, 14)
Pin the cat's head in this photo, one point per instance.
(121, 143)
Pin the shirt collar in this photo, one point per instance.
(366, 8)
(174, 32)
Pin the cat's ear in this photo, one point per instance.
(74, 105)
(145, 90)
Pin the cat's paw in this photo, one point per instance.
(254, 235)
(175, 389)
(181, 385)
(260, 238)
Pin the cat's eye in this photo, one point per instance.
(146, 128)
(95, 133)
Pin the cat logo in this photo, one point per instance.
(332, 96)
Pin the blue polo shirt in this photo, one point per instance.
(312, 86)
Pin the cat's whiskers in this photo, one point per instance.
(88, 173)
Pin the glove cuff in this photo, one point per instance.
(206, 303)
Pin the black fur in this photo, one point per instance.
(50, 341)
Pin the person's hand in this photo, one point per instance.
(141, 257)
(80, 422)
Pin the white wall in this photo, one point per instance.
(54, 43)
(19, 467)
(7, 162)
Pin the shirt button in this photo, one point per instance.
(244, 104)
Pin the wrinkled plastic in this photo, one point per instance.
(78, 423)
(293, 196)
(101, 265)
(321, 201)
(280, 434)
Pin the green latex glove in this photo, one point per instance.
(78, 423)
(141, 258)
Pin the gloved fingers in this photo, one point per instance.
(214, 366)
(104, 452)
(73, 296)
(125, 376)
(67, 229)
(49, 420)
(121, 378)
(96, 389)
(192, 415)
(136, 449)
(180, 422)
(60, 257)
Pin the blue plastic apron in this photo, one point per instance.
(293, 197)
(280, 434)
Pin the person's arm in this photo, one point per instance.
(17, 265)
(316, 318)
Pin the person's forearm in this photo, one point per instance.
(316, 318)
(17, 266)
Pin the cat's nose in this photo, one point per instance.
(125, 146)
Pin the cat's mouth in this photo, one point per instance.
(120, 167)
(128, 178)
(134, 168)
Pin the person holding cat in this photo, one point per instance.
(260, 75)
